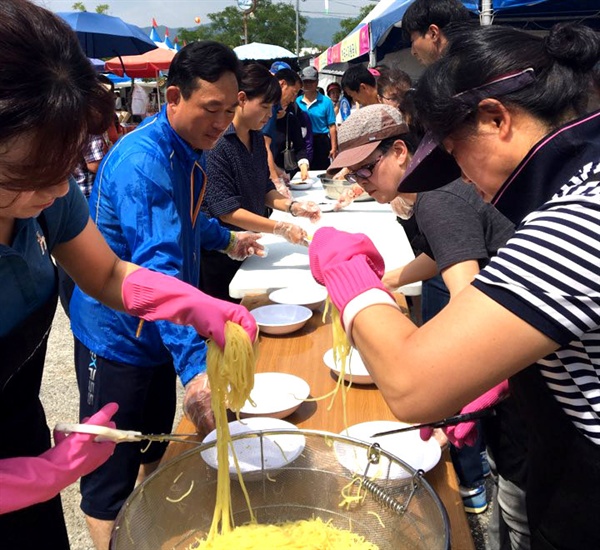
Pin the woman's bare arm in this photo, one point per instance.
(430, 372)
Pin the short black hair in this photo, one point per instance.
(49, 92)
(356, 75)
(202, 60)
(423, 13)
(290, 77)
(257, 81)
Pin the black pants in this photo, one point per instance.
(321, 149)
(216, 271)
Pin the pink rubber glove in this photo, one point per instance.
(155, 296)
(348, 264)
(244, 244)
(196, 404)
(25, 481)
(291, 233)
(465, 433)
(306, 209)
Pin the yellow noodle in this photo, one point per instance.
(182, 496)
(377, 516)
(231, 377)
(298, 535)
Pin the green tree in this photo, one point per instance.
(347, 25)
(100, 8)
(270, 23)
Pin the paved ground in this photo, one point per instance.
(59, 395)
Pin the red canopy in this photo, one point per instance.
(142, 66)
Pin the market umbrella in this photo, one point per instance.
(258, 51)
(142, 66)
(105, 36)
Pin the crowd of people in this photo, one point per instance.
(491, 162)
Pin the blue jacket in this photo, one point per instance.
(144, 194)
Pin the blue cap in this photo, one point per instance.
(278, 65)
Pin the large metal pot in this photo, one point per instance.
(174, 507)
(334, 188)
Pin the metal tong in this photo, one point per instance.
(450, 421)
(121, 436)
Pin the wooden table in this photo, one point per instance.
(302, 353)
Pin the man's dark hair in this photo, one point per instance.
(356, 75)
(257, 81)
(393, 80)
(203, 60)
(49, 92)
(423, 13)
(290, 77)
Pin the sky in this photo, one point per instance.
(182, 13)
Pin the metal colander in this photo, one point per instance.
(173, 508)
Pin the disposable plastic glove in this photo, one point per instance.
(465, 433)
(348, 264)
(196, 404)
(282, 188)
(347, 196)
(306, 209)
(155, 296)
(303, 165)
(290, 232)
(244, 244)
(25, 481)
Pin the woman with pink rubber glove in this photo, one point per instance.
(505, 108)
(51, 101)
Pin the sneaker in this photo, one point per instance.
(474, 499)
(485, 465)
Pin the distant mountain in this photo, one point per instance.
(319, 30)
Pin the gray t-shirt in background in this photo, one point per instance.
(458, 225)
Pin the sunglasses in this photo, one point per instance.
(363, 172)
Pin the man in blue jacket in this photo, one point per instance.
(146, 202)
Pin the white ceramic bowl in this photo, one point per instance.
(312, 297)
(277, 451)
(356, 372)
(276, 395)
(299, 185)
(281, 318)
(408, 446)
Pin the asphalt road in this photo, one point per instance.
(60, 397)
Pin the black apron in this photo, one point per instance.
(25, 432)
(563, 471)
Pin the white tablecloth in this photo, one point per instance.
(286, 265)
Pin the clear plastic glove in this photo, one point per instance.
(465, 433)
(25, 481)
(155, 296)
(347, 196)
(303, 171)
(282, 187)
(244, 244)
(348, 264)
(306, 209)
(196, 404)
(292, 233)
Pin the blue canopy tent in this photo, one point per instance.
(385, 33)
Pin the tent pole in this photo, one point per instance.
(372, 49)
(486, 16)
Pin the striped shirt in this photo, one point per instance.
(549, 275)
